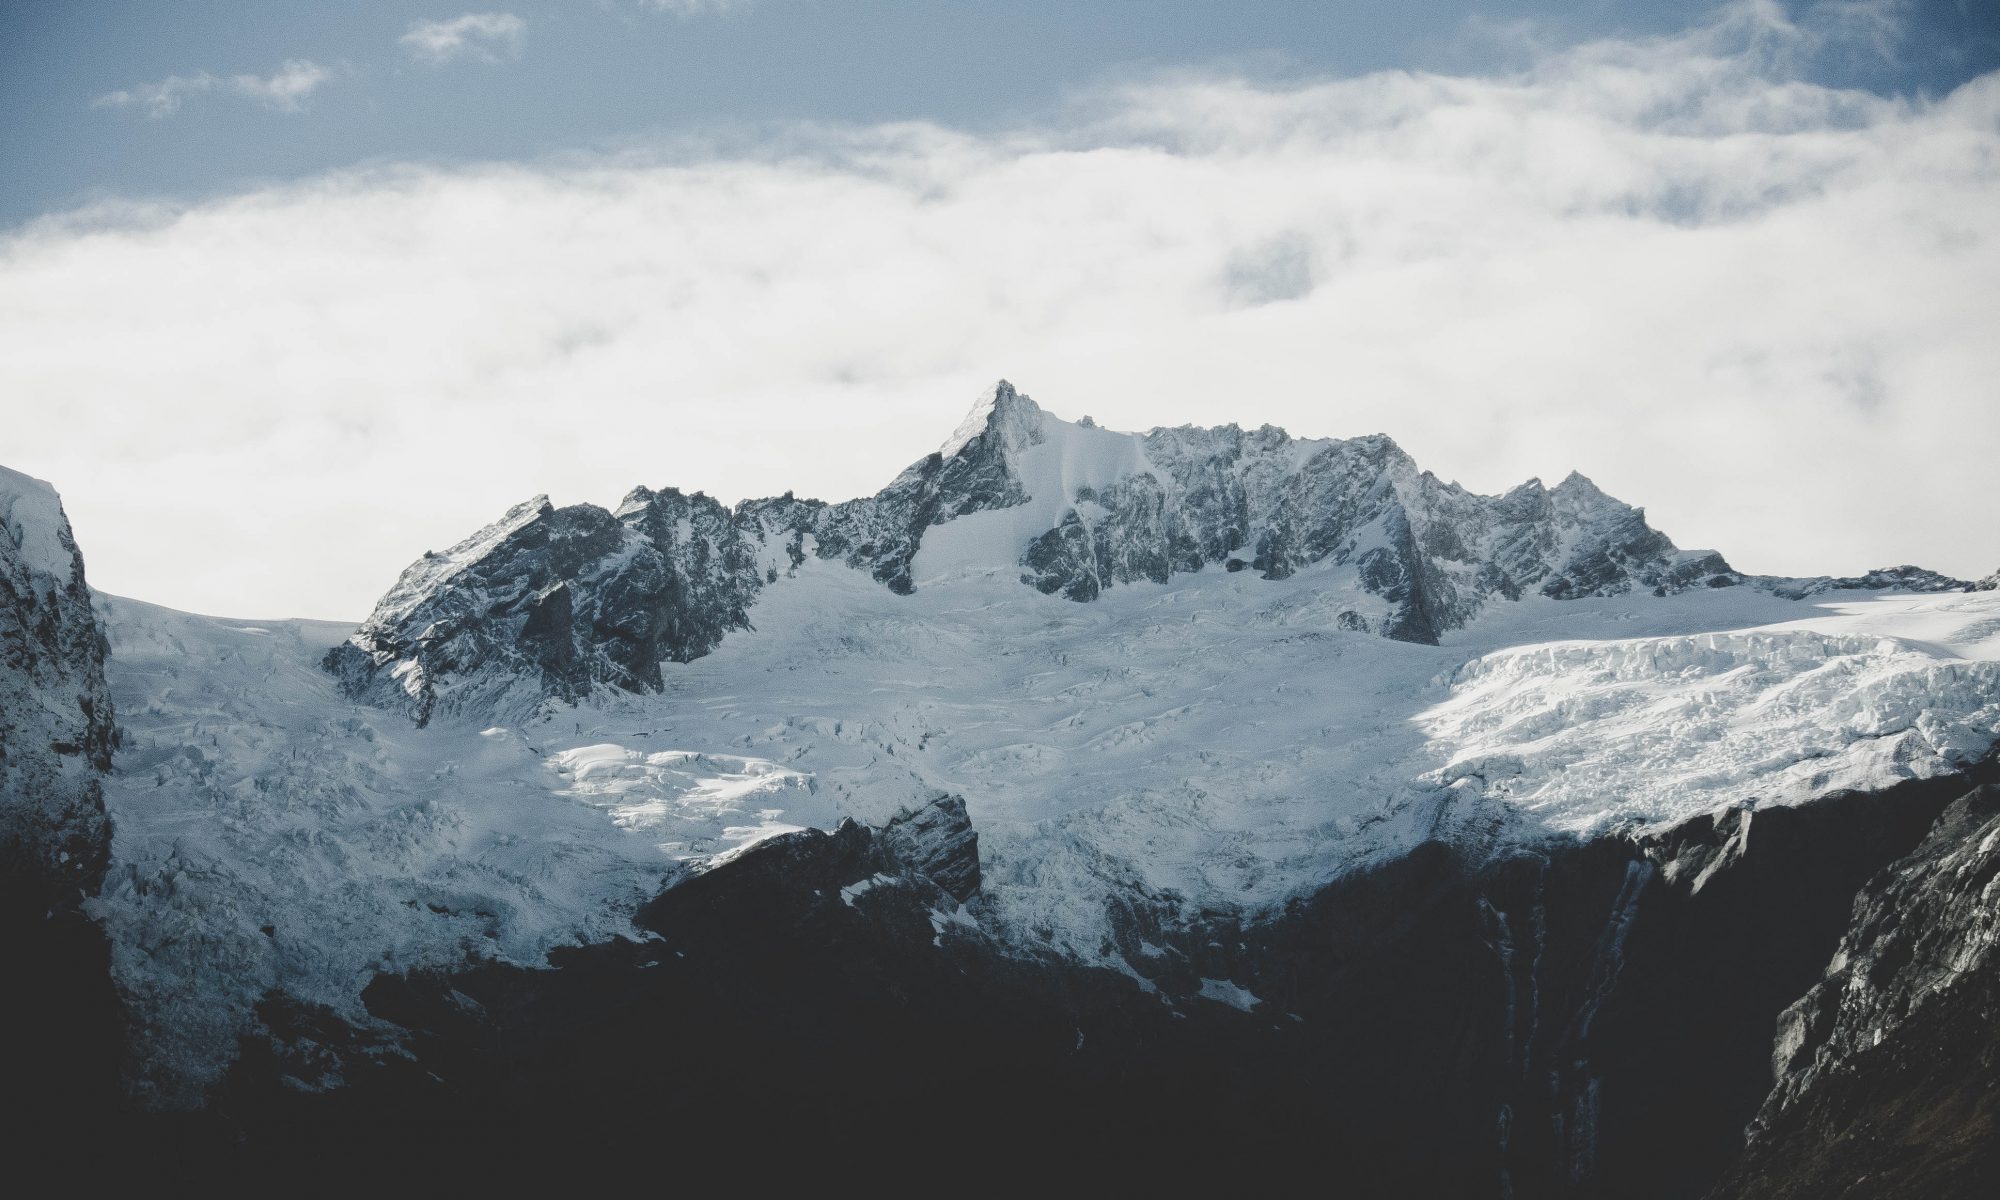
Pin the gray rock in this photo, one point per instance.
(1925, 927)
(1905, 578)
(938, 843)
(56, 730)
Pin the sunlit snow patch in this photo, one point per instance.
(1588, 735)
(699, 805)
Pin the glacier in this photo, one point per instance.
(1219, 742)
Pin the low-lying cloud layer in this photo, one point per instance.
(1760, 307)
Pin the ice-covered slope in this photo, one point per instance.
(1215, 743)
(271, 834)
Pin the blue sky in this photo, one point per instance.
(291, 293)
(586, 74)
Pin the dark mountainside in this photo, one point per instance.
(1596, 1020)
(1889, 1069)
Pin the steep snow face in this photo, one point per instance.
(56, 730)
(271, 834)
(549, 604)
(1217, 742)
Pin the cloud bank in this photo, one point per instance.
(283, 90)
(1759, 307)
(486, 37)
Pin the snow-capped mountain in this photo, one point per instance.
(1194, 755)
(550, 602)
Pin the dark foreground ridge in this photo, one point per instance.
(1594, 1019)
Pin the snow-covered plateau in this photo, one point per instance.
(1197, 738)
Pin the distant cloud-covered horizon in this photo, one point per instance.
(1754, 303)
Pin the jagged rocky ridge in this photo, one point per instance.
(550, 603)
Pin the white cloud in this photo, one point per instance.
(162, 99)
(488, 37)
(1759, 307)
(697, 8)
(284, 90)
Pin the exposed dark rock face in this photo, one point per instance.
(550, 603)
(1889, 1068)
(1903, 579)
(62, 1025)
(1582, 1019)
(937, 843)
(1433, 551)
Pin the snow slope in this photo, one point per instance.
(1215, 742)
(271, 834)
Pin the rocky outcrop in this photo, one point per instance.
(550, 603)
(1886, 1068)
(1901, 579)
(1431, 553)
(56, 731)
(936, 843)
(1931, 922)
(929, 856)
(547, 603)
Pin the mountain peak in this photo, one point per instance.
(1001, 410)
(1576, 482)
